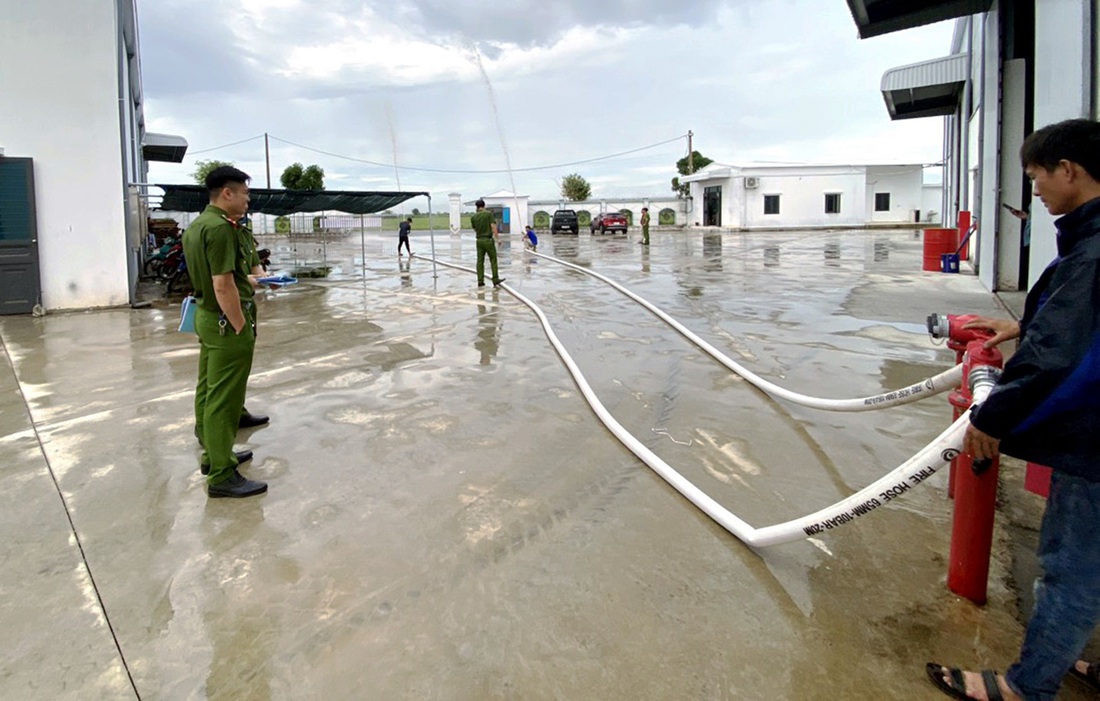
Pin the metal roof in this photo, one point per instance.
(194, 198)
(926, 89)
(163, 147)
(875, 17)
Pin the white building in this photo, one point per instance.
(808, 197)
(510, 208)
(72, 141)
(1013, 66)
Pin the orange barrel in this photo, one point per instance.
(936, 243)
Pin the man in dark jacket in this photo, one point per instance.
(1046, 409)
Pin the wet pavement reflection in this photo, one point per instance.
(447, 519)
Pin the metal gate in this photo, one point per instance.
(20, 291)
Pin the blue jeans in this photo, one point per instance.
(1067, 600)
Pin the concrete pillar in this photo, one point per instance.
(456, 212)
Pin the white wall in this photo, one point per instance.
(59, 82)
(931, 204)
(905, 185)
(802, 199)
(986, 207)
(1063, 55)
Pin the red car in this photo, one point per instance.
(608, 221)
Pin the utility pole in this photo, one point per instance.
(267, 159)
(691, 157)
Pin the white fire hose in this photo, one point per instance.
(946, 380)
(894, 484)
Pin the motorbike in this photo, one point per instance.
(154, 264)
(180, 280)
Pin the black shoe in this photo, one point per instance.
(497, 283)
(243, 456)
(481, 284)
(252, 420)
(236, 487)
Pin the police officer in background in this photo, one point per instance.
(485, 228)
(219, 256)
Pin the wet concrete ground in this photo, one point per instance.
(448, 520)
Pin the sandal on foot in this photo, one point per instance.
(956, 688)
(1090, 676)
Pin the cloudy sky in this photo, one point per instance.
(447, 88)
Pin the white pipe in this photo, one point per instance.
(912, 472)
(948, 379)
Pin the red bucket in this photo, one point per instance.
(936, 243)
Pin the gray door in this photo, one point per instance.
(19, 284)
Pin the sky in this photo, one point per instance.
(427, 95)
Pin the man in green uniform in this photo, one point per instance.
(645, 226)
(248, 419)
(220, 263)
(486, 229)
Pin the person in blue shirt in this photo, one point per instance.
(530, 240)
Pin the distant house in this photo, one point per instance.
(807, 197)
(72, 149)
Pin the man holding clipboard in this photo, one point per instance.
(221, 265)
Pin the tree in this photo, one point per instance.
(698, 161)
(295, 177)
(416, 212)
(203, 168)
(575, 188)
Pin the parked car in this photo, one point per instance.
(565, 222)
(608, 221)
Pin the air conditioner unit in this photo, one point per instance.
(752, 183)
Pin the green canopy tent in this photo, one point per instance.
(194, 198)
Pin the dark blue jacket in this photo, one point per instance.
(1046, 407)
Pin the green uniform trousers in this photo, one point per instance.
(645, 234)
(225, 362)
(486, 246)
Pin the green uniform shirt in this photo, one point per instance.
(213, 245)
(483, 223)
(645, 219)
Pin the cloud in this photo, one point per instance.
(783, 80)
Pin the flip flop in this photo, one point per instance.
(956, 688)
(1090, 676)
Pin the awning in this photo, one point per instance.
(163, 147)
(875, 17)
(194, 198)
(926, 89)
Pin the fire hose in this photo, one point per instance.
(925, 463)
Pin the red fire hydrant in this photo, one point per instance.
(950, 327)
(975, 492)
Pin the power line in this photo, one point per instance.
(217, 148)
(514, 170)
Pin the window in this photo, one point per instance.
(771, 204)
(882, 201)
(832, 203)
